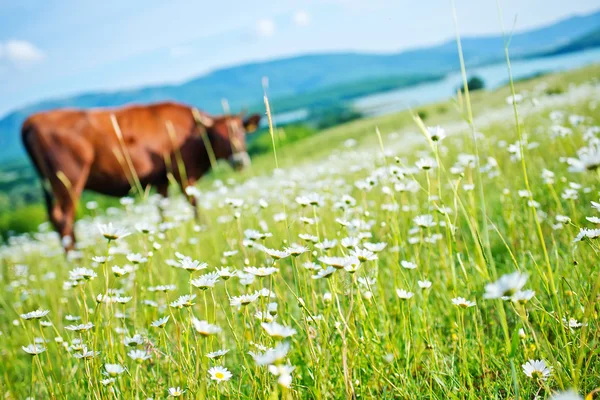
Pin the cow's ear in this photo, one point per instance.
(251, 123)
(202, 119)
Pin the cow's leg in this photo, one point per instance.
(62, 214)
(163, 189)
(56, 216)
(192, 199)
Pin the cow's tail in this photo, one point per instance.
(39, 161)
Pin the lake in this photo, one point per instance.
(494, 75)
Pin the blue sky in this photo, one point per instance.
(56, 48)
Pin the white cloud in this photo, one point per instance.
(265, 27)
(180, 51)
(301, 18)
(20, 52)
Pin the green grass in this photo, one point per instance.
(367, 341)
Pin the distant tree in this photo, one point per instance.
(474, 83)
(324, 118)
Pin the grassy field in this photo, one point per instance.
(367, 265)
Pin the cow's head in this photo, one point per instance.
(227, 136)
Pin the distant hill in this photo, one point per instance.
(305, 81)
(587, 41)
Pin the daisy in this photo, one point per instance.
(424, 284)
(311, 266)
(184, 301)
(219, 374)
(37, 314)
(436, 133)
(295, 250)
(278, 331)
(80, 327)
(139, 355)
(272, 308)
(350, 242)
(204, 328)
(136, 340)
(243, 300)
(424, 221)
(192, 265)
(215, 355)
(114, 369)
(425, 164)
(309, 238)
(374, 247)
(161, 322)
(206, 281)
(284, 374)
(118, 271)
(324, 273)
(507, 285)
(573, 323)
(326, 244)
(587, 233)
(363, 254)
(408, 264)
(537, 369)
(261, 271)
(276, 254)
(462, 302)
(81, 274)
(272, 356)
(567, 395)
(176, 391)
(111, 232)
(34, 349)
(264, 292)
(225, 273)
(352, 267)
(230, 253)
(336, 262)
(403, 294)
(523, 297)
(136, 258)
(162, 288)
(86, 354)
(145, 228)
(122, 300)
(107, 381)
(101, 259)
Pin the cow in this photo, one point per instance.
(110, 151)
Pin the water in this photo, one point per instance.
(494, 75)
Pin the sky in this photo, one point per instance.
(55, 48)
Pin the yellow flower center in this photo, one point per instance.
(219, 375)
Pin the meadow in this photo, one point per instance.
(390, 257)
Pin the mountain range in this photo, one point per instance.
(305, 75)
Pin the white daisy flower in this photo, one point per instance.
(278, 331)
(506, 286)
(462, 302)
(537, 369)
(403, 294)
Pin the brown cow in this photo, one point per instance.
(74, 150)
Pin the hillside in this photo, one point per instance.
(587, 41)
(310, 77)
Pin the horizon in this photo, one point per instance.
(21, 72)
